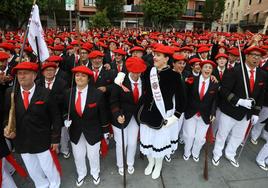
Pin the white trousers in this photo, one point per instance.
(258, 128)
(194, 135)
(7, 180)
(237, 130)
(64, 141)
(80, 151)
(42, 169)
(262, 157)
(130, 139)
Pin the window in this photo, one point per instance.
(228, 5)
(130, 2)
(226, 16)
(257, 18)
(260, 1)
(247, 18)
(236, 17)
(238, 3)
(89, 2)
(249, 2)
(233, 4)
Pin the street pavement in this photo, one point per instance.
(176, 174)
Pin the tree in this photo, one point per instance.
(161, 13)
(213, 10)
(100, 19)
(17, 12)
(113, 8)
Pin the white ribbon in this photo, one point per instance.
(157, 95)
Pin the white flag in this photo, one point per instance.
(36, 30)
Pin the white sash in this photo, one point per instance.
(157, 95)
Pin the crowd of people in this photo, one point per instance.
(152, 89)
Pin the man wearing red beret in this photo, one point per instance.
(37, 127)
(118, 64)
(57, 87)
(237, 108)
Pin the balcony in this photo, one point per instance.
(251, 23)
(192, 13)
(132, 8)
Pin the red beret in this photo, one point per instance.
(208, 62)
(75, 42)
(94, 54)
(234, 51)
(28, 49)
(48, 64)
(203, 49)
(255, 48)
(164, 49)
(58, 48)
(264, 47)
(4, 56)
(87, 47)
(179, 58)
(25, 66)
(54, 58)
(114, 41)
(221, 55)
(83, 69)
(135, 65)
(136, 48)
(7, 46)
(120, 51)
(186, 48)
(194, 60)
(102, 44)
(69, 47)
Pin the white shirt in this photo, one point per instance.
(195, 74)
(220, 70)
(51, 83)
(83, 97)
(201, 79)
(132, 85)
(248, 69)
(30, 95)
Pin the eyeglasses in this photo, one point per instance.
(255, 55)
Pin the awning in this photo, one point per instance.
(247, 13)
(266, 11)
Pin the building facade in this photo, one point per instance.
(242, 15)
(255, 15)
(234, 12)
(133, 15)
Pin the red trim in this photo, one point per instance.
(56, 161)
(16, 165)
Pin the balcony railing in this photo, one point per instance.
(244, 23)
(132, 8)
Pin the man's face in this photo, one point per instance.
(118, 57)
(112, 46)
(137, 54)
(207, 70)
(83, 55)
(26, 78)
(97, 62)
(221, 61)
(204, 55)
(253, 58)
(3, 65)
(49, 73)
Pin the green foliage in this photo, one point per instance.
(161, 13)
(213, 10)
(114, 8)
(17, 12)
(100, 19)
